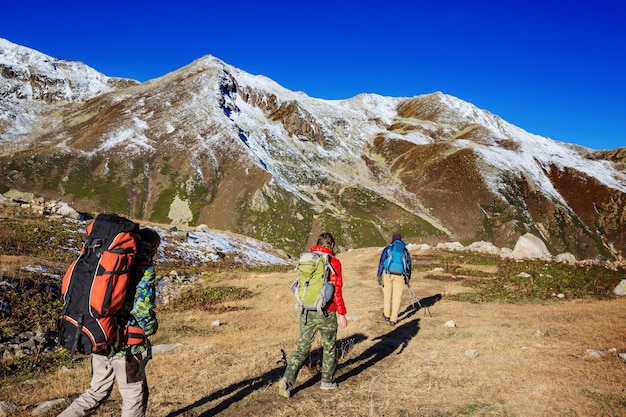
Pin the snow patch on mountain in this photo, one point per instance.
(72, 80)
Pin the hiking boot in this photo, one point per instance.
(283, 388)
(326, 386)
(385, 317)
(392, 323)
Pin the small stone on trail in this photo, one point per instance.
(471, 353)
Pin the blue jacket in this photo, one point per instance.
(383, 256)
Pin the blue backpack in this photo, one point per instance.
(396, 263)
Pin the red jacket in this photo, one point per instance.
(336, 279)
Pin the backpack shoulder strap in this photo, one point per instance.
(329, 263)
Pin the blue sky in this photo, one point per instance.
(553, 68)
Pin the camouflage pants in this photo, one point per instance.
(310, 324)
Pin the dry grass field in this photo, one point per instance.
(531, 358)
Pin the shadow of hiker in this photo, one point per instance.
(344, 346)
(386, 345)
(246, 387)
(416, 305)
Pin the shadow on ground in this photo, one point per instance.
(419, 304)
(240, 390)
(395, 340)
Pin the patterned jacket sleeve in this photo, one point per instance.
(144, 305)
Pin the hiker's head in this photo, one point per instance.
(151, 237)
(396, 236)
(326, 240)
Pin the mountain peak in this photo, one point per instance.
(212, 144)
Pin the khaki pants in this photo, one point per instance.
(392, 295)
(133, 389)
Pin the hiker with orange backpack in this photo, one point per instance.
(394, 272)
(125, 360)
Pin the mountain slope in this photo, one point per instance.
(34, 83)
(211, 144)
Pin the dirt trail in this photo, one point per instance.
(531, 358)
(530, 361)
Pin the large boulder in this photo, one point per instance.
(529, 246)
(565, 258)
(20, 196)
(65, 210)
(621, 288)
(484, 247)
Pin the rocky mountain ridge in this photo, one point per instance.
(211, 144)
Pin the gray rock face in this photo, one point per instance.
(27, 344)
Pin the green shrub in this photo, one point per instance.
(30, 366)
(30, 302)
(208, 299)
(538, 281)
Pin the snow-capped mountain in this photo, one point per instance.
(41, 81)
(212, 144)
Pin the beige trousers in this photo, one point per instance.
(392, 295)
(105, 371)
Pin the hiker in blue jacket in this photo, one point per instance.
(394, 271)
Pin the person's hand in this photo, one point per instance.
(341, 319)
(380, 281)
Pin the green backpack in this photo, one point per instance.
(313, 289)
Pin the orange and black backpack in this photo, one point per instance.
(95, 285)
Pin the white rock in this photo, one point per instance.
(471, 353)
(165, 348)
(621, 288)
(42, 408)
(592, 353)
(484, 247)
(530, 246)
(6, 408)
(450, 323)
(65, 210)
(450, 246)
(565, 258)
(418, 246)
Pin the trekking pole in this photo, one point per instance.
(414, 299)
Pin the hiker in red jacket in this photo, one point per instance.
(326, 322)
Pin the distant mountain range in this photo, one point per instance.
(211, 144)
